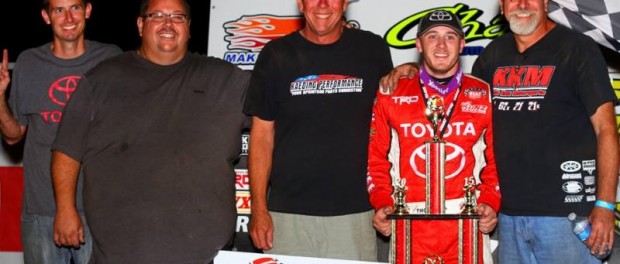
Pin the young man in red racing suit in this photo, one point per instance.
(465, 128)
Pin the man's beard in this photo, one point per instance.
(523, 28)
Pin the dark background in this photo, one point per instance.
(111, 21)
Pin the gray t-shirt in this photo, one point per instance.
(41, 86)
(157, 146)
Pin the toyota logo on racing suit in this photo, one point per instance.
(454, 154)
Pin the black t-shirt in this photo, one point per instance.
(320, 97)
(157, 144)
(545, 146)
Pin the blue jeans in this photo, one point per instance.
(539, 239)
(39, 247)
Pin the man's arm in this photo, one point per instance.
(259, 165)
(388, 82)
(608, 154)
(11, 130)
(68, 229)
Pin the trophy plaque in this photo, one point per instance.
(403, 228)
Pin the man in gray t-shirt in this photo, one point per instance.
(43, 80)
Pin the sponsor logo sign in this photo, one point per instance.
(400, 100)
(326, 84)
(242, 180)
(572, 187)
(266, 260)
(570, 166)
(473, 108)
(475, 93)
(573, 198)
(245, 144)
(247, 35)
(588, 180)
(243, 202)
(397, 35)
(571, 176)
(419, 130)
(589, 166)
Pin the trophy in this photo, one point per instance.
(403, 228)
(435, 158)
(400, 206)
(469, 195)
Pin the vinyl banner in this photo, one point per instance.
(238, 30)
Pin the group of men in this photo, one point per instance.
(154, 133)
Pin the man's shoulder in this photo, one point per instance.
(95, 46)
(502, 41)
(569, 37)
(112, 64)
(213, 66)
(470, 80)
(211, 61)
(39, 52)
(360, 36)
(286, 40)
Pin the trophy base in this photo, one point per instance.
(469, 238)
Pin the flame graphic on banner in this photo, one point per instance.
(253, 32)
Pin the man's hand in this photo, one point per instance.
(5, 78)
(261, 230)
(380, 221)
(488, 218)
(602, 233)
(388, 82)
(68, 229)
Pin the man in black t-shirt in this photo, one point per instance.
(556, 142)
(311, 96)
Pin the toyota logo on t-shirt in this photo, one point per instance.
(60, 91)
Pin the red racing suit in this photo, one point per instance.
(469, 123)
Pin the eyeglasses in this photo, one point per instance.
(160, 17)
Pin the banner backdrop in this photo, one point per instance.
(238, 30)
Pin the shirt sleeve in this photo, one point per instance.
(593, 84)
(260, 100)
(71, 138)
(379, 180)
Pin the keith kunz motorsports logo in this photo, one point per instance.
(247, 35)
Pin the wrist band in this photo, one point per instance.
(605, 205)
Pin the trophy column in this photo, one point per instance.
(403, 233)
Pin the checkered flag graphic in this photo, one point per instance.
(599, 19)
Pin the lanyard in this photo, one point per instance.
(442, 89)
(450, 108)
